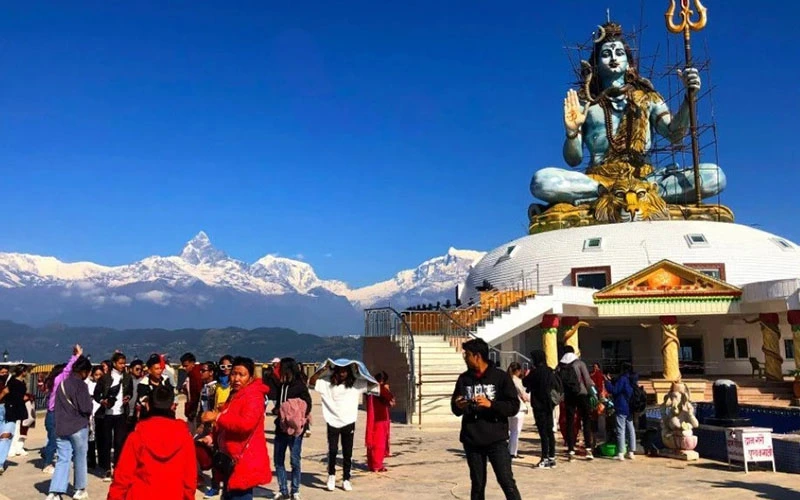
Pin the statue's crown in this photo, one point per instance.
(607, 32)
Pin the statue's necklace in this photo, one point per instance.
(618, 142)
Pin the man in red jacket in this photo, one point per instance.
(158, 459)
(191, 387)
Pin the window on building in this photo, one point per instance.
(510, 251)
(735, 348)
(696, 240)
(591, 277)
(785, 245)
(788, 348)
(593, 245)
(716, 271)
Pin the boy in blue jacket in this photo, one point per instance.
(621, 391)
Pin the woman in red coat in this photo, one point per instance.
(378, 423)
(158, 459)
(240, 432)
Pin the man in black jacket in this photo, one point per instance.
(113, 392)
(485, 397)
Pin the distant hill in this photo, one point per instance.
(51, 344)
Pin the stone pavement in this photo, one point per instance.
(430, 465)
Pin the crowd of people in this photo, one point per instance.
(493, 406)
(118, 420)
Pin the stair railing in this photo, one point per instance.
(387, 322)
(454, 330)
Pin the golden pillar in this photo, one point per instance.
(794, 320)
(771, 337)
(670, 345)
(550, 339)
(571, 325)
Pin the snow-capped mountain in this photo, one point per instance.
(203, 287)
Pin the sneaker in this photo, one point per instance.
(280, 496)
(589, 455)
(54, 496)
(107, 477)
(212, 492)
(629, 455)
(551, 463)
(331, 483)
(571, 453)
(49, 470)
(620, 457)
(295, 496)
(543, 464)
(346, 486)
(80, 495)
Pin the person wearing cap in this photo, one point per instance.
(158, 460)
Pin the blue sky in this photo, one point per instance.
(366, 136)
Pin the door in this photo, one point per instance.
(614, 353)
(690, 356)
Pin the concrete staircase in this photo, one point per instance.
(750, 391)
(441, 364)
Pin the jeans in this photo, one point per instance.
(295, 445)
(70, 448)
(238, 495)
(515, 424)
(49, 452)
(579, 403)
(544, 424)
(347, 433)
(497, 454)
(5, 442)
(625, 423)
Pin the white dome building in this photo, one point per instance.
(720, 277)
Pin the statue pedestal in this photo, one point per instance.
(687, 455)
(697, 388)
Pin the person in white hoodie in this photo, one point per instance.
(516, 422)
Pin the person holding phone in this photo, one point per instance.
(114, 392)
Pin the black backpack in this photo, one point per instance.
(569, 379)
(638, 401)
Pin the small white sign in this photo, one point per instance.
(749, 444)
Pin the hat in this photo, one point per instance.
(275, 360)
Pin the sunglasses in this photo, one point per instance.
(225, 367)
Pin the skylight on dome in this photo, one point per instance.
(783, 244)
(510, 251)
(593, 244)
(696, 240)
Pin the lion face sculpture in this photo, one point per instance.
(630, 200)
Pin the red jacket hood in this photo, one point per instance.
(164, 436)
(255, 387)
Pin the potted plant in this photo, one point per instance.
(796, 383)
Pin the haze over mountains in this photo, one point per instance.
(203, 287)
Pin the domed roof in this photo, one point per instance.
(749, 255)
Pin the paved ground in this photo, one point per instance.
(430, 465)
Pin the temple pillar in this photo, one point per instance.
(549, 325)
(771, 337)
(571, 325)
(794, 320)
(670, 346)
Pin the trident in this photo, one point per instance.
(687, 25)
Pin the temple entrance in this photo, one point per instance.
(613, 353)
(690, 356)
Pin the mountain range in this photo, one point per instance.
(203, 286)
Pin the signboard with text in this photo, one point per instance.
(749, 444)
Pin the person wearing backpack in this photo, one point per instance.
(292, 407)
(621, 390)
(546, 392)
(578, 387)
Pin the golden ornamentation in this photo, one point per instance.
(571, 336)
(669, 352)
(630, 199)
(550, 346)
(773, 362)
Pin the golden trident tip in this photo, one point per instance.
(686, 12)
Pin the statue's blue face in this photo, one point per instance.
(613, 59)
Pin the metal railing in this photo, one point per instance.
(387, 322)
(451, 328)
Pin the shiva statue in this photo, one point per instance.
(614, 114)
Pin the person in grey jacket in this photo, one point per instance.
(579, 402)
(72, 411)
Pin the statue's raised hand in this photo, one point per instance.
(690, 78)
(574, 113)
